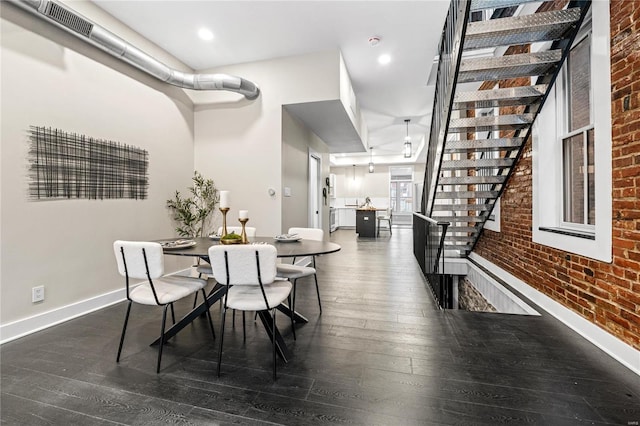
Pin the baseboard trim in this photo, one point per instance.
(614, 347)
(23, 327)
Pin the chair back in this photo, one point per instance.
(308, 233)
(130, 256)
(249, 230)
(243, 264)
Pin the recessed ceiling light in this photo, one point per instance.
(205, 34)
(384, 59)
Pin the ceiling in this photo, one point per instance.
(247, 31)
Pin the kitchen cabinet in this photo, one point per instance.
(346, 217)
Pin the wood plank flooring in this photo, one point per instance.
(380, 354)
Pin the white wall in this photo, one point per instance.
(239, 143)
(63, 83)
(297, 140)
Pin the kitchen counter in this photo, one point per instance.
(366, 223)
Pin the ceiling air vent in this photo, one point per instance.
(68, 19)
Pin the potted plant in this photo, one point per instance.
(192, 213)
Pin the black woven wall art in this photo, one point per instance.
(68, 165)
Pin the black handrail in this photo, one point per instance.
(450, 54)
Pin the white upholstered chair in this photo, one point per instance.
(250, 272)
(141, 260)
(206, 269)
(293, 272)
(388, 217)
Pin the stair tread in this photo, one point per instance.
(482, 144)
(523, 29)
(509, 96)
(495, 4)
(462, 207)
(483, 163)
(510, 66)
(491, 123)
(459, 218)
(470, 180)
(455, 195)
(462, 229)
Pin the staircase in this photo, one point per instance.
(493, 78)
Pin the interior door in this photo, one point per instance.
(315, 219)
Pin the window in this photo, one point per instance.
(578, 139)
(572, 170)
(401, 190)
(579, 178)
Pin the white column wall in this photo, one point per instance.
(297, 140)
(238, 143)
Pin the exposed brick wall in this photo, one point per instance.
(605, 294)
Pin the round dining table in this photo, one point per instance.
(288, 248)
(199, 247)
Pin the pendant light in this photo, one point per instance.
(407, 142)
(371, 161)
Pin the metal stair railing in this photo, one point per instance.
(463, 182)
(450, 54)
(428, 249)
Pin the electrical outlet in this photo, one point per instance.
(37, 294)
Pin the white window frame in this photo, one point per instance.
(548, 130)
(408, 179)
(565, 133)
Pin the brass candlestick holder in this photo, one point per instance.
(224, 211)
(243, 235)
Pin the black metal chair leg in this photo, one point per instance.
(318, 292)
(164, 320)
(124, 329)
(224, 315)
(195, 300)
(293, 300)
(244, 328)
(273, 341)
(206, 301)
(293, 326)
(173, 313)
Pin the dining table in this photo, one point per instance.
(286, 248)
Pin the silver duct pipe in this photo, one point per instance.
(81, 27)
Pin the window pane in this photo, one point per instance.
(591, 173)
(406, 197)
(579, 79)
(573, 151)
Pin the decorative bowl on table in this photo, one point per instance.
(231, 238)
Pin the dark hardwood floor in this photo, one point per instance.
(380, 354)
